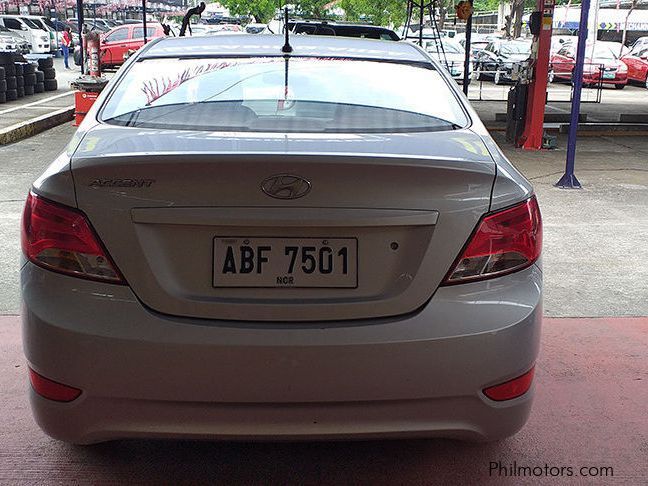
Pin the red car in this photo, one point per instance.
(637, 62)
(601, 65)
(119, 40)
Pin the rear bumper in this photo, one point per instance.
(148, 375)
(596, 78)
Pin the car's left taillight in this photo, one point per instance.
(60, 238)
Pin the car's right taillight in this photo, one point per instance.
(60, 238)
(503, 242)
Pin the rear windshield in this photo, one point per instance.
(276, 94)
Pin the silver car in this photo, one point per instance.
(243, 243)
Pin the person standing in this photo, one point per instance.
(66, 42)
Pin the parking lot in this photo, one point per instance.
(486, 90)
(591, 376)
(302, 260)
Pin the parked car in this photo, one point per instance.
(477, 43)
(254, 28)
(93, 24)
(450, 54)
(558, 41)
(117, 42)
(601, 65)
(60, 25)
(637, 64)
(12, 42)
(215, 29)
(497, 60)
(46, 25)
(640, 42)
(38, 39)
(255, 244)
(324, 27)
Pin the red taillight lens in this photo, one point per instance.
(51, 389)
(511, 389)
(503, 242)
(60, 238)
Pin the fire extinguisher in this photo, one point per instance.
(92, 43)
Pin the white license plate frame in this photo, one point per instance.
(271, 258)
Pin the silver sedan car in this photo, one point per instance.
(246, 243)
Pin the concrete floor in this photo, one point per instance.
(590, 410)
(596, 238)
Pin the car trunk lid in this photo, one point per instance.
(168, 205)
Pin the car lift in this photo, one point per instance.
(422, 6)
(541, 23)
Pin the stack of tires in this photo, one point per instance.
(19, 78)
(3, 85)
(46, 74)
(9, 83)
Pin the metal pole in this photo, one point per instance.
(144, 18)
(80, 26)
(421, 13)
(568, 180)
(466, 76)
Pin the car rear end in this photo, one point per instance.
(283, 260)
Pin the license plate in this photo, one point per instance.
(609, 75)
(240, 261)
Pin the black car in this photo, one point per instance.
(324, 27)
(496, 61)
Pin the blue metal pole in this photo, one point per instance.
(568, 180)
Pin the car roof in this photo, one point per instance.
(270, 45)
(334, 23)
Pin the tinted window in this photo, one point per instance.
(40, 24)
(305, 29)
(117, 35)
(138, 32)
(13, 24)
(322, 95)
(30, 23)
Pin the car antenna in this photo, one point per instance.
(287, 48)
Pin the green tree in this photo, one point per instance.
(378, 12)
(311, 8)
(263, 10)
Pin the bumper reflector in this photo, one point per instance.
(511, 389)
(52, 390)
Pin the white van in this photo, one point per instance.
(45, 24)
(39, 39)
